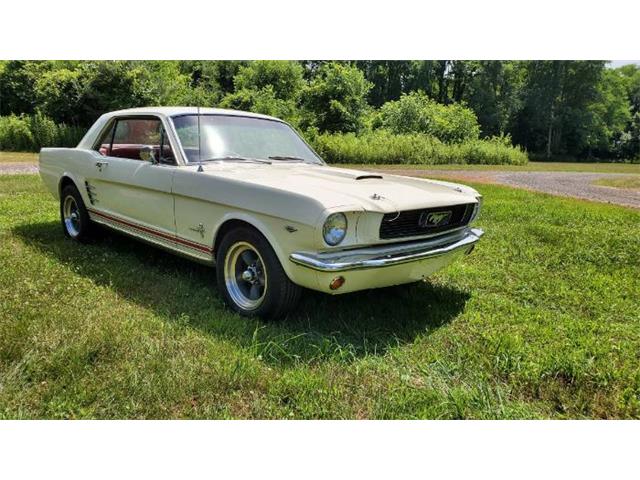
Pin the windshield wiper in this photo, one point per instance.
(233, 158)
(287, 157)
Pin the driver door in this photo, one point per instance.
(127, 191)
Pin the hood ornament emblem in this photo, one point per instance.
(375, 196)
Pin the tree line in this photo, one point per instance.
(577, 109)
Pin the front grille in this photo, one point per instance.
(410, 223)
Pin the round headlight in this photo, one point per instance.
(334, 228)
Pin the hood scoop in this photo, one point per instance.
(368, 176)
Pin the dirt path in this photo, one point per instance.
(570, 184)
(11, 168)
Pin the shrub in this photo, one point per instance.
(69, 135)
(383, 147)
(31, 133)
(417, 113)
(15, 134)
(43, 130)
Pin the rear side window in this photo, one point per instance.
(127, 136)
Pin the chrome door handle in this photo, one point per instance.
(100, 164)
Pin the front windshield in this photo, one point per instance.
(227, 136)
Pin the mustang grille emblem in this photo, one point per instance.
(434, 219)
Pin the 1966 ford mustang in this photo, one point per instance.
(245, 193)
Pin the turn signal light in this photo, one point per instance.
(336, 283)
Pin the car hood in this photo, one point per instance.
(340, 187)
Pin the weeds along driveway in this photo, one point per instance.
(568, 184)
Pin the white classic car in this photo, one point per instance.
(245, 193)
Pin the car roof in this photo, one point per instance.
(175, 111)
(91, 135)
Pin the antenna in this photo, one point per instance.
(200, 169)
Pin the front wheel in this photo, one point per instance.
(250, 277)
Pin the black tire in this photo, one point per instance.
(80, 228)
(279, 294)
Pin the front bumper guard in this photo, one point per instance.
(388, 255)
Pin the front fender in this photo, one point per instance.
(283, 235)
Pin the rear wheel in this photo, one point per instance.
(76, 223)
(250, 277)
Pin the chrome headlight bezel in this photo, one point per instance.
(334, 229)
(476, 209)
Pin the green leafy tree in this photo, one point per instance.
(269, 87)
(566, 108)
(113, 85)
(631, 75)
(493, 94)
(628, 145)
(17, 82)
(607, 117)
(387, 79)
(57, 92)
(159, 82)
(262, 101)
(336, 99)
(556, 97)
(391, 78)
(108, 86)
(423, 75)
(284, 77)
(210, 80)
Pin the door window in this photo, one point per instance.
(128, 136)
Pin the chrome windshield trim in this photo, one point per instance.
(387, 255)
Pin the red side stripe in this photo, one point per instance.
(173, 238)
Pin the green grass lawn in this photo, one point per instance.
(542, 321)
(18, 157)
(630, 182)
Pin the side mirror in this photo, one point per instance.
(147, 154)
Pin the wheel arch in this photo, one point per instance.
(65, 180)
(235, 220)
(68, 178)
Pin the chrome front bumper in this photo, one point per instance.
(388, 255)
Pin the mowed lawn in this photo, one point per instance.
(18, 157)
(541, 321)
(627, 182)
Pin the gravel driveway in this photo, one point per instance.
(10, 168)
(569, 184)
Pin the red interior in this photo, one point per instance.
(132, 151)
(135, 134)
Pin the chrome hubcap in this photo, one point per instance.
(71, 215)
(245, 276)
